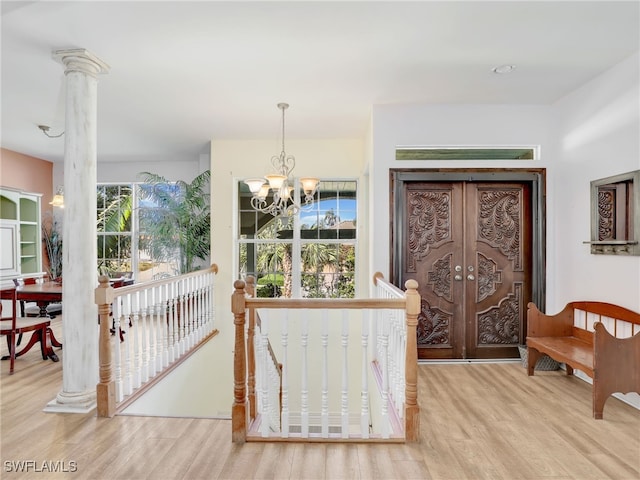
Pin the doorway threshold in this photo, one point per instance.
(458, 361)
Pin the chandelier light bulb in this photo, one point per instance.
(255, 184)
(275, 181)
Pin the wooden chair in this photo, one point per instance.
(117, 284)
(13, 326)
(32, 311)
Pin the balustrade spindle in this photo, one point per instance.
(344, 395)
(324, 409)
(198, 310)
(156, 299)
(180, 317)
(172, 324)
(117, 357)
(304, 391)
(128, 356)
(144, 337)
(264, 374)
(284, 341)
(137, 358)
(384, 343)
(364, 396)
(252, 347)
(151, 367)
(164, 302)
(191, 314)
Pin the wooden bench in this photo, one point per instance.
(613, 363)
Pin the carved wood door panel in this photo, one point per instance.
(468, 246)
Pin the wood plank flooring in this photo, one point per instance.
(478, 421)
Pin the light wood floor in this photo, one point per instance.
(478, 421)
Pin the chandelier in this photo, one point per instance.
(280, 184)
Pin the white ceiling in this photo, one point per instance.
(183, 73)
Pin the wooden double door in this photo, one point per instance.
(468, 245)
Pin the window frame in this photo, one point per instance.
(296, 240)
(132, 233)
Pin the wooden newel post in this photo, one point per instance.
(251, 354)
(239, 409)
(106, 389)
(411, 408)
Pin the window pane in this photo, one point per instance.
(273, 269)
(334, 215)
(114, 225)
(328, 270)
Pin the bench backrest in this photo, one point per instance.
(619, 321)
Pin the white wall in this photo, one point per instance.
(598, 129)
(233, 160)
(116, 172)
(127, 171)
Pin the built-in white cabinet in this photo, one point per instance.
(20, 234)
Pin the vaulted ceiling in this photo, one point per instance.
(183, 73)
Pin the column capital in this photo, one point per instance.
(80, 60)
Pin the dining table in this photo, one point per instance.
(43, 294)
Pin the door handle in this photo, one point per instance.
(470, 277)
(458, 277)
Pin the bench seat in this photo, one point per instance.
(612, 362)
(567, 350)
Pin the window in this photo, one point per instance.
(115, 227)
(311, 254)
(155, 228)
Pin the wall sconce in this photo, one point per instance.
(58, 199)
(45, 129)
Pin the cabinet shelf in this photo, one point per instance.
(21, 233)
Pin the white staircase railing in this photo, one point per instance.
(321, 390)
(146, 328)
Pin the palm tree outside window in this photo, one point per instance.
(154, 228)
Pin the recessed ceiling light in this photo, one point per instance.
(504, 69)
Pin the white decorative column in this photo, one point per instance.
(79, 265)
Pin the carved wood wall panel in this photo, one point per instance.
(488, 277)
(501, 324)
(428, 222)
(606, 214)
(439, 277)
(500, 220)
(434, 326)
